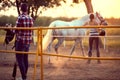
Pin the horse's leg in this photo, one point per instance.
(49, 46)
(60, 41)
(82, 47)
(49, 49)
(73, 47)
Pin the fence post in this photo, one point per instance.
(37, 54)
(41, 53)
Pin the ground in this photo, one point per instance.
(65, 68)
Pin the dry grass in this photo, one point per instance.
(65, 69)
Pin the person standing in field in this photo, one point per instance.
(94, 36)
(23, 40)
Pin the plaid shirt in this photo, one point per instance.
(24, 36)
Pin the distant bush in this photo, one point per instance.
(42, 21)
(113, 21)
(7, 19)
(45, 21)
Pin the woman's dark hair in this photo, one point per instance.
(24, 7)
(91, 17)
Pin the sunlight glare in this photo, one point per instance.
(107, 8)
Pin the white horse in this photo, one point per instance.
(52, 34)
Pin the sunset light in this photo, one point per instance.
(107, 8)
(60, 40)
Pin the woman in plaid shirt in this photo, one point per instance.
(23, 40)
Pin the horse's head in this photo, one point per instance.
(100, 20)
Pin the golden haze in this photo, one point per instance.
(107, 8)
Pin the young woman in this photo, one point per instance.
(93, 33)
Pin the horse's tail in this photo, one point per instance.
(48, 37)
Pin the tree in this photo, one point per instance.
(87, 3)
(34, 5)
(89, 6)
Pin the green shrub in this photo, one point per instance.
(45, 21)
(7, 19)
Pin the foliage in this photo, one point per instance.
(113, 21)
(45, 21)
(40, 21)
(7, 19)
(33, 5)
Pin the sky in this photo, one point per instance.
(107, 8)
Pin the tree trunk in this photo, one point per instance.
(89, 6)
(17, 4)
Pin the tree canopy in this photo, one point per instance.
(34, 5)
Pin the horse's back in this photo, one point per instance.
(59, 23)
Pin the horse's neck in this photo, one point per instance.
(85, 18)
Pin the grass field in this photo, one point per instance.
(111, 41)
